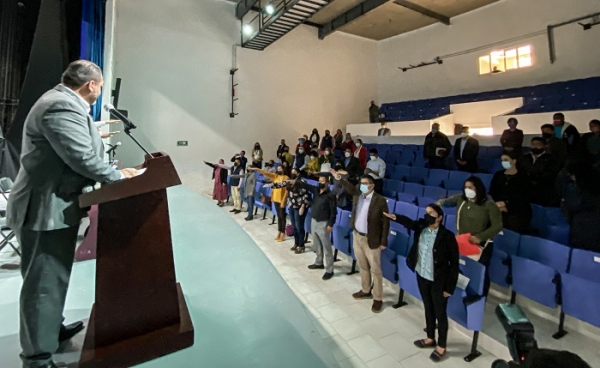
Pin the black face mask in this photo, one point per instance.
(429, 220)
(294, 176)
(322, 186)
(547, 135)
(537, 151)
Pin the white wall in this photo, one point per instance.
(175, 56)
(577, 50)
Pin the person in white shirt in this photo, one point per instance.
(376, 169)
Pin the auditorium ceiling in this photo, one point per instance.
(388, 18)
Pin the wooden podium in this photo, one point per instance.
(140, 313)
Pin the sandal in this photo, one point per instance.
(422, 345)
(299, 250)
(436, 356)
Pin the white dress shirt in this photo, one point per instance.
(362, 213)
(378, 166)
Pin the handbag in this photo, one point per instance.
(289, 230)
(264, 199)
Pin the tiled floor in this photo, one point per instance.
(356, 336)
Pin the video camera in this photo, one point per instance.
(519, 334)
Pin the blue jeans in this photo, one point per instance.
(298, 224)
(250, 201)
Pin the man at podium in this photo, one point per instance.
(61, 154)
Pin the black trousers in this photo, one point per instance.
(438, 163)
(378, 186)
(435, 309)
(281, 217)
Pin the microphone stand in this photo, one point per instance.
(128, 132)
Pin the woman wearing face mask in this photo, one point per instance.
(434, 258)
(313, 163)
(314, 137)
(298, 201)
(361, 154)
(348, 143)
(338, 139)
(326, 158)
(257, 156)
(279, 198)
(511, 190)
(478, 216)
(220, 177)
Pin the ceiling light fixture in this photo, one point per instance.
(247, 30)
(270, 9)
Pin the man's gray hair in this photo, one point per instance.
(81, 72)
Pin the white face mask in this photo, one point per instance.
(470, 193)
(300, 151)
(506, 165)
(464, 135)
(357, 144)
(347, 154)
(326, 153)
(373, 157)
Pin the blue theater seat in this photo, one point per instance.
(389, 193)
(417, 175)
(342, 238)
(397, 243)
(434, 192)
(391, 204)
(456, 180)
(406, 209)
(425, 201)
(506, 245)
(406, 197)
(437, 178)
(486, 179)
(394, 185)
(401, 172)
(450, 223)
(535, 269)
(413, 189)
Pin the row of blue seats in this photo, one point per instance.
(453, 180)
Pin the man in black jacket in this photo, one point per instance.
(466, 150)
(434, 257)
(542, 169)
(567, 132)
(437, 148)
(242, 157)
(351, 164)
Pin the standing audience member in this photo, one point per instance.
(567, 132)
(315, 138)
(478, 216)
(511, 190)
(257, 156)
(286, 168)
(303, 144)
(437, 148)
(512, 138)
(348, 143)
(298, 201)
(351, 164)
(220, 177)
(590, 144)
(243, 159)
(466, 150)
(249, 189)
(541, 169)
(287, 156)
(555, 146)
(339, 191)
(384, 131)
(371, 229)
(323, 211)
(279, 198)
(327, 141)
(235, 183)
(326, 158)
(361, 154)
(374, 112)
(301, 159)
(312, 166)
(281, 148)
(434, 258)
(270, 166)
(580, 193)
(376, 170)
(338, 139)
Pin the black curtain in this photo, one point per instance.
(54, 27)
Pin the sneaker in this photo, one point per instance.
(327, 275)
(361, 295)
(377, 306)
(316, 267)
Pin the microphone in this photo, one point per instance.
(113, 148)
(111, 109)
(87, 189)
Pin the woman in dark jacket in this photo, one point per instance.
(511, 190)
(434, 258)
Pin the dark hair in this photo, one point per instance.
(595, 122)
(369, 178)
(437, 209)
(512, 154)
(324, 175)
(514, 120)
(464, 127)
(586, 175)
(358, 139)
(481, 193)
(373, 150)
(559, 115)
(538, 139)
(257, 144)
(81, 72)
(547, 126)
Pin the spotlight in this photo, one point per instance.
(247, 30)
(270, 9)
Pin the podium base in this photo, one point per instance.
(142, 348)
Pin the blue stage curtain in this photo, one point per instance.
(92, 39)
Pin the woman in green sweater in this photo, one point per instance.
(479, 216)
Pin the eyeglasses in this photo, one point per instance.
(363, 183)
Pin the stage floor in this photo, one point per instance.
(244, 313)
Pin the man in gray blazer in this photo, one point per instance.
(61, 154)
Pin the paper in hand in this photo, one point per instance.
(463, 281)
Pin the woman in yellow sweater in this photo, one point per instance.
(278, 197)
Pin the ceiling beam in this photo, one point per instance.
(426, 12)
(349, 16)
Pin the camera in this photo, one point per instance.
(520, 334)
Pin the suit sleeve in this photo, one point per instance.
(68, 133)
(453, 268)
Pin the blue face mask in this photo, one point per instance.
(433, 131)
(301, 141)
(364, 188)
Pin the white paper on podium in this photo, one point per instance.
(463, 281)
(141, 171)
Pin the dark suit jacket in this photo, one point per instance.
(469, 154)
(445, 253)
(377, 224)
(435, 141)
(353, 167)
